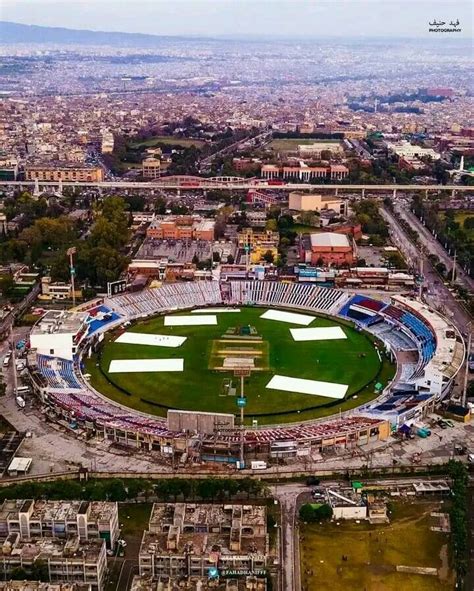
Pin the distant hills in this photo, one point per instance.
(18, 33)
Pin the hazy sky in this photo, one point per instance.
(314, 18)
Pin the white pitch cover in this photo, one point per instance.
(313, 387)
(157, 340)
(145, 365)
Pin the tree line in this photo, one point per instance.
(120, 490)
(459, 519)
(42, 242)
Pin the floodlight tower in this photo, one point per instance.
(466, 369)
(71, 252)
(241, 403)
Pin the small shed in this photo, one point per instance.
(19, 466)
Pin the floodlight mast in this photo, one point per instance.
(71, 252)
(242, 372)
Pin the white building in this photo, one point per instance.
(346, 506)
(107, 145)
(59, 333)
(404, 149)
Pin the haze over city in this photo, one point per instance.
(236, 295)
(280, 18)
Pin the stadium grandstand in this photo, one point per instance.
(428, 348)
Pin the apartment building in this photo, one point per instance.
(258, 243)
(334, 172)
(181, 228)
(40, 586)
(55, 290)
(107, 142)
(88, 520)
(316, 202)
(246, 583)
(63, 561)
(64, 171)
(151, 168)
(194, 540)
(8, 168)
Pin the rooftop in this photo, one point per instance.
(205, 528)
(39, 586)
(57, 510)
(50, 548)
(330, 239)
(59, 322)
(197, 584)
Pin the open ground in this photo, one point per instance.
(291, 144)
(374, 551)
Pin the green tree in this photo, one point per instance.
(470, 389)
(311, 513)
(307, 513)
(160, 206)
(309, 218)
(7, 285)
(323, 512)
(40, 571)
(469, 223)
(395, 260)
(115, 490)
(271, 225)
(135, 202)
(19, 574)
(268, 257)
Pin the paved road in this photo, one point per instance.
(288, 496)
(438, 295)
(433, 245)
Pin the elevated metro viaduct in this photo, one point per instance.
(183, 183)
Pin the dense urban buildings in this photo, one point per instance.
(40, 519)
(187, 539)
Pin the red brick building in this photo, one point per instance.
(328, 248)
(181, 228)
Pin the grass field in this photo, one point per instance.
(291, 144)
(168, 140)
(374, 552)
(352, 361)
(304, 229)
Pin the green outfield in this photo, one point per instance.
(206, 385)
